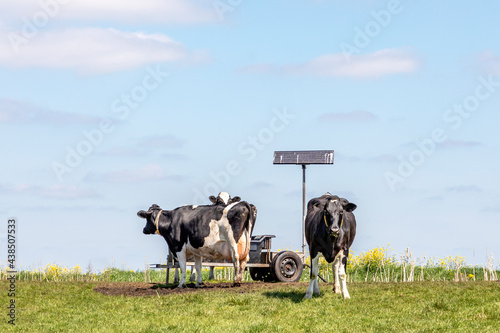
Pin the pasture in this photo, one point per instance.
(388, 294)
(257, 307)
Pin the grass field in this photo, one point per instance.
(388, 294)
(373, 307)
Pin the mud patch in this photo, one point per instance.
(153, 289)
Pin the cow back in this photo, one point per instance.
(190, 223)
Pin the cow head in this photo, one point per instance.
(223, 199)
(334, 215)
(151, 216)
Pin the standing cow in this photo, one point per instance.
(330, 229)
(215, 232)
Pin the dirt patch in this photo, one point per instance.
(153, 289)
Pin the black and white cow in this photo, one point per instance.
(330, 230)
(215, 232)
(223, 198)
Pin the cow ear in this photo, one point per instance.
(344, 201)
(143, 214)
(313, 204)
(213, 199)
(235, 199)
(350, 207)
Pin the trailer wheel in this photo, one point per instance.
(260, 274)
(287, 267)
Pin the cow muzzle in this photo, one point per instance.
(148, 231)
(334, 232)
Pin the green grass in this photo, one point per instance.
(388, 273)
(374, 307)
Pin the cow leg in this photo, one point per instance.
(335, 267)
(236, 261)
(176, 276)
(192, 277)
(243, 264)
(181, 257)
(316, 285)
(197, 263)
(237, 274)
(343, 277)
(211, 273)
(233, 249)
(244, 252)
(313, 282)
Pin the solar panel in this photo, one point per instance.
(303, 157)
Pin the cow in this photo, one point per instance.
(210, 231)
(223, 198)
(330, 228)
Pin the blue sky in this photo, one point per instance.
(109, 107)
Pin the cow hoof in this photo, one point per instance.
(307, 296)
(237, 284)
(200, 285)
(181, 286)
(336, 290)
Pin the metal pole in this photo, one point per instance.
(303, 209)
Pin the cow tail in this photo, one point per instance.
(250, 222)
(252, 218)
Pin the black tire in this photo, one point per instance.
(287, 267)
(260, 274)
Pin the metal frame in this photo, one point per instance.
(262, 241)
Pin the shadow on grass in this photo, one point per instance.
(164, 286)
(294, 296)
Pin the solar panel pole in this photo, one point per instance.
(303, 208)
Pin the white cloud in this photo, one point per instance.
(13, 111)
(450, 143)
(372, 65)
(175, 157)
(384, 158)
(464, 188)
(124, 152)
(91, 50)
(161, 141)
(54, 191)
(261, 185)
(149, 172)
(134, 11)
(145, 173)
(491, 209)
(488, 63)
(353, 116)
